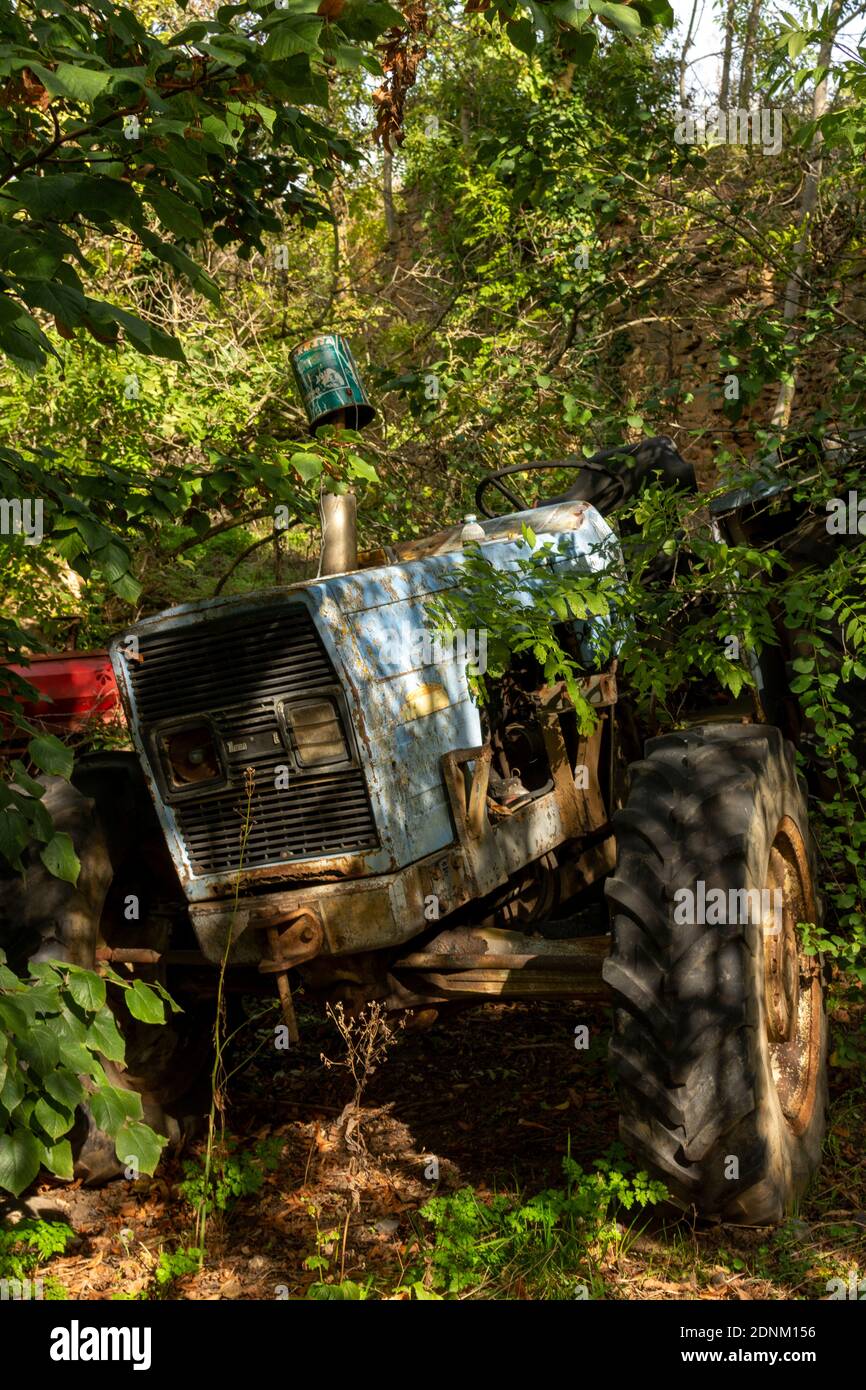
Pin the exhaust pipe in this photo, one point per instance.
(332, 393)
(339, 533)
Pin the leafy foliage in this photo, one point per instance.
(29, 1243)
(550, 1240)
(523, 609)
(173, 1266)
(108, 125)
(698, 623)
(57, 1025)
(237, 1172)
(347, 1290)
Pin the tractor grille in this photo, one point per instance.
(235, 670)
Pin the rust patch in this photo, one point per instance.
(299, 938)
(335, 868)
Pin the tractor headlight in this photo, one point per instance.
(316, 732)
(189, 756)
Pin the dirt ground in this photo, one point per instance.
(496, 1095)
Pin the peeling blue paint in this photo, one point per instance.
(360, 617)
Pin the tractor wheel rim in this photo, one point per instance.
(792, 979)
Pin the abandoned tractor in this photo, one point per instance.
(314, 800)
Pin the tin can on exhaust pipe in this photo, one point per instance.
(329, 384)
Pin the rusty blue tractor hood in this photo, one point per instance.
(408, 705)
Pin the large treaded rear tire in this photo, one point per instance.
(714, 1100)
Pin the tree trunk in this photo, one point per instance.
(689, 40)
(725, 88)
(747, 66)
(388, 198)
(808, 201)
(337, 203)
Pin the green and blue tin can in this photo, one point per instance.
(329, 383)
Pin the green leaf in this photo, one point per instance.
(82, 85)
(296, 34)
(522, 35)
(87, 989)
(53, 1118)
(40, 1048)
(622, 16)
(13, 1015)
(656, 12)
(367, 19)
(60, 859)
(112, 1106)
(358, 468)
(64, 1087)
(24, 780)
(85, 1063)
(177, 216)
(308, 465)
(144, 1003)
(14, 835)
(344, 1291)
(51, 756)
(137, 1144)
(12, 1090)
(20, 1157)
(57, 1158)
(127, 587)
(103, 1036)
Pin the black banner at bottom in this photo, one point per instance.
(57, 1341)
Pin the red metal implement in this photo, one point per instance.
(76, 689)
